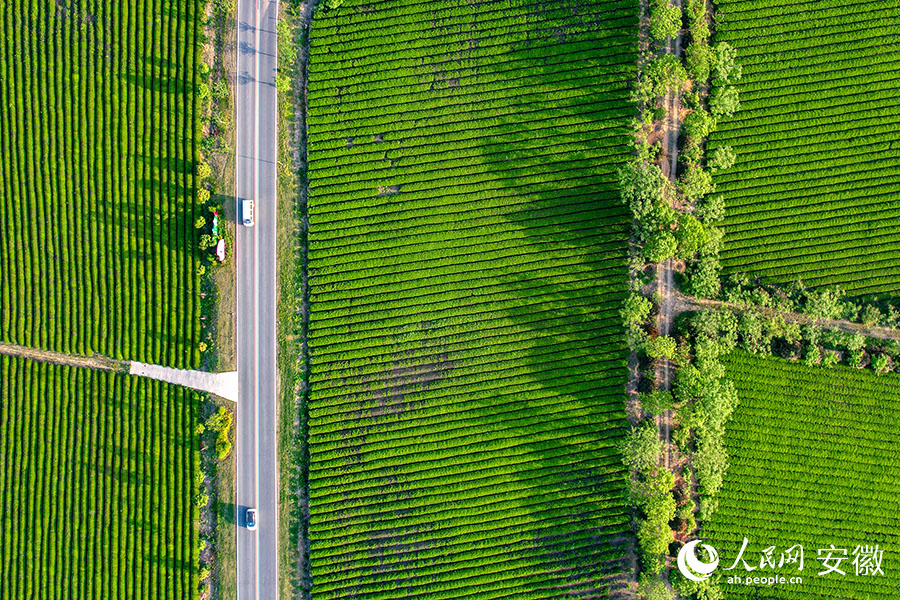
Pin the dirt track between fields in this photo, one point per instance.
(682, 303)
(665, 273)
(103, 363)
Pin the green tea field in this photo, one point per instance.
(813, 462)
(96, 481)
(467, 254)
(97, 134)
(814, 192)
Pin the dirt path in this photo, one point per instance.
(102, 363)
(665, 275)
(682, 303)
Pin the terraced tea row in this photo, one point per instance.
(813, 194)
(96, 481)
(467, 263)
(813, 462)
(98, 122)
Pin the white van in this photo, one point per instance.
(247, 212)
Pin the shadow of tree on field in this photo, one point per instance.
(551, 162)
(576, 212)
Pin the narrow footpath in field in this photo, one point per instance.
(220, 384)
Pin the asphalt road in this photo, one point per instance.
(257, 468)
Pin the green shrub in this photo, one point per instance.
(882, 364)
(203, 170)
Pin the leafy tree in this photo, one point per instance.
(825, 303)
(717, 327)
(704, 280)
(698, 124)
(754, 334)
(726, 70)
(200, 223)
(696, 183)
(658, 76)
(652, 494)
(856, 342)
(698, 59)
(893, 317)
(696, 13)
(692, 153)
(654, 540)
(642, 448)
(708, 507)
(660, 246)
(661, 346)
(711, 208)
(695, 9)
(699, 31)
(871, 316)
(646, 191)
(657, 401)
(724, 101)
(713, 243)
(203, 170)
(636, 309)
(710, 464)
(790, 331)
(722, 158)
(665, 20)
(812, 334)
(691, 236)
